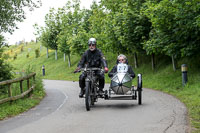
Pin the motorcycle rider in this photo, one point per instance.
(93, 57)
(121, 59)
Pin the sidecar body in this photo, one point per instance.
(121, 87)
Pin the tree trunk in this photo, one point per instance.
(64, 57)
(47, 53)
(69, 61)
(135, 60)
(153, 61)
(56, 57)
(174, 63)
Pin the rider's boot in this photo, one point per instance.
(101, 91)
(81, 93)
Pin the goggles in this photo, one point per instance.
(121, 60)
(91, 44)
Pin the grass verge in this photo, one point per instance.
(16, 107)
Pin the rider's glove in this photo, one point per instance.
(106, 69)
(77, 70)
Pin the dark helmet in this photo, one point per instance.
(92, 41)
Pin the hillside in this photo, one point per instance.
(163, 78)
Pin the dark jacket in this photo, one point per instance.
(92, 59)
(114, 70)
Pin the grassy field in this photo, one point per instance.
(163, 78)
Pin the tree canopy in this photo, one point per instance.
(169, 27)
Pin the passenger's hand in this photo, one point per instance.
(77, 70)
(106, 69)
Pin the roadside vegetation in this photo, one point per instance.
(9, 109)
(13, 108)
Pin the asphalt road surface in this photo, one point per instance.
(61, 111)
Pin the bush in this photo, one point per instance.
(27, 56)
(22, 48)
(37, 53)
(5, 71)
(15, 56)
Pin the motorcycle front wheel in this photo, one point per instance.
(87, 96)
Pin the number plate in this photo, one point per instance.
(122, 68)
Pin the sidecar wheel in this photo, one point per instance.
(139, 97)
(139, 89)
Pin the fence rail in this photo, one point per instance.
(23, 93)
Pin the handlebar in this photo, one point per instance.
(89, 69)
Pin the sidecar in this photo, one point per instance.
(121, 87)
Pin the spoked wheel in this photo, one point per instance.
(87, 96)
(139, 89)
(92, 100)
(139, 97)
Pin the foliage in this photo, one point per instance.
(12, 11)
(68, 40)
(65, 29)
(127, 25)
(15, 56)
(37, 53)
(175, 27)
(5, 68)
(27, 55)
(5, 71)
(22, 48)
(22, 105)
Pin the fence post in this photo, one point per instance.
(28, 85)
(33, 82)
(21, 87)
(9, 92)
(33, 79)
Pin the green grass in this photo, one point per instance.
(162, 78)
(16, 107)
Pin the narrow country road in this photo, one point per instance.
(62, 111)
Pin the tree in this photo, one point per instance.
(127, 27)
(53, 25)
(11, 12)
(175, 30)
(73, 36)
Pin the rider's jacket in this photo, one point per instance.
(92, 59)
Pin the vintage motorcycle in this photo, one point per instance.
(91, 86)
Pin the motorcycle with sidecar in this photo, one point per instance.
(121, 87)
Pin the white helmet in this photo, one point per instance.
(92, 41)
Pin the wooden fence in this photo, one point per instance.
(23, 93)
